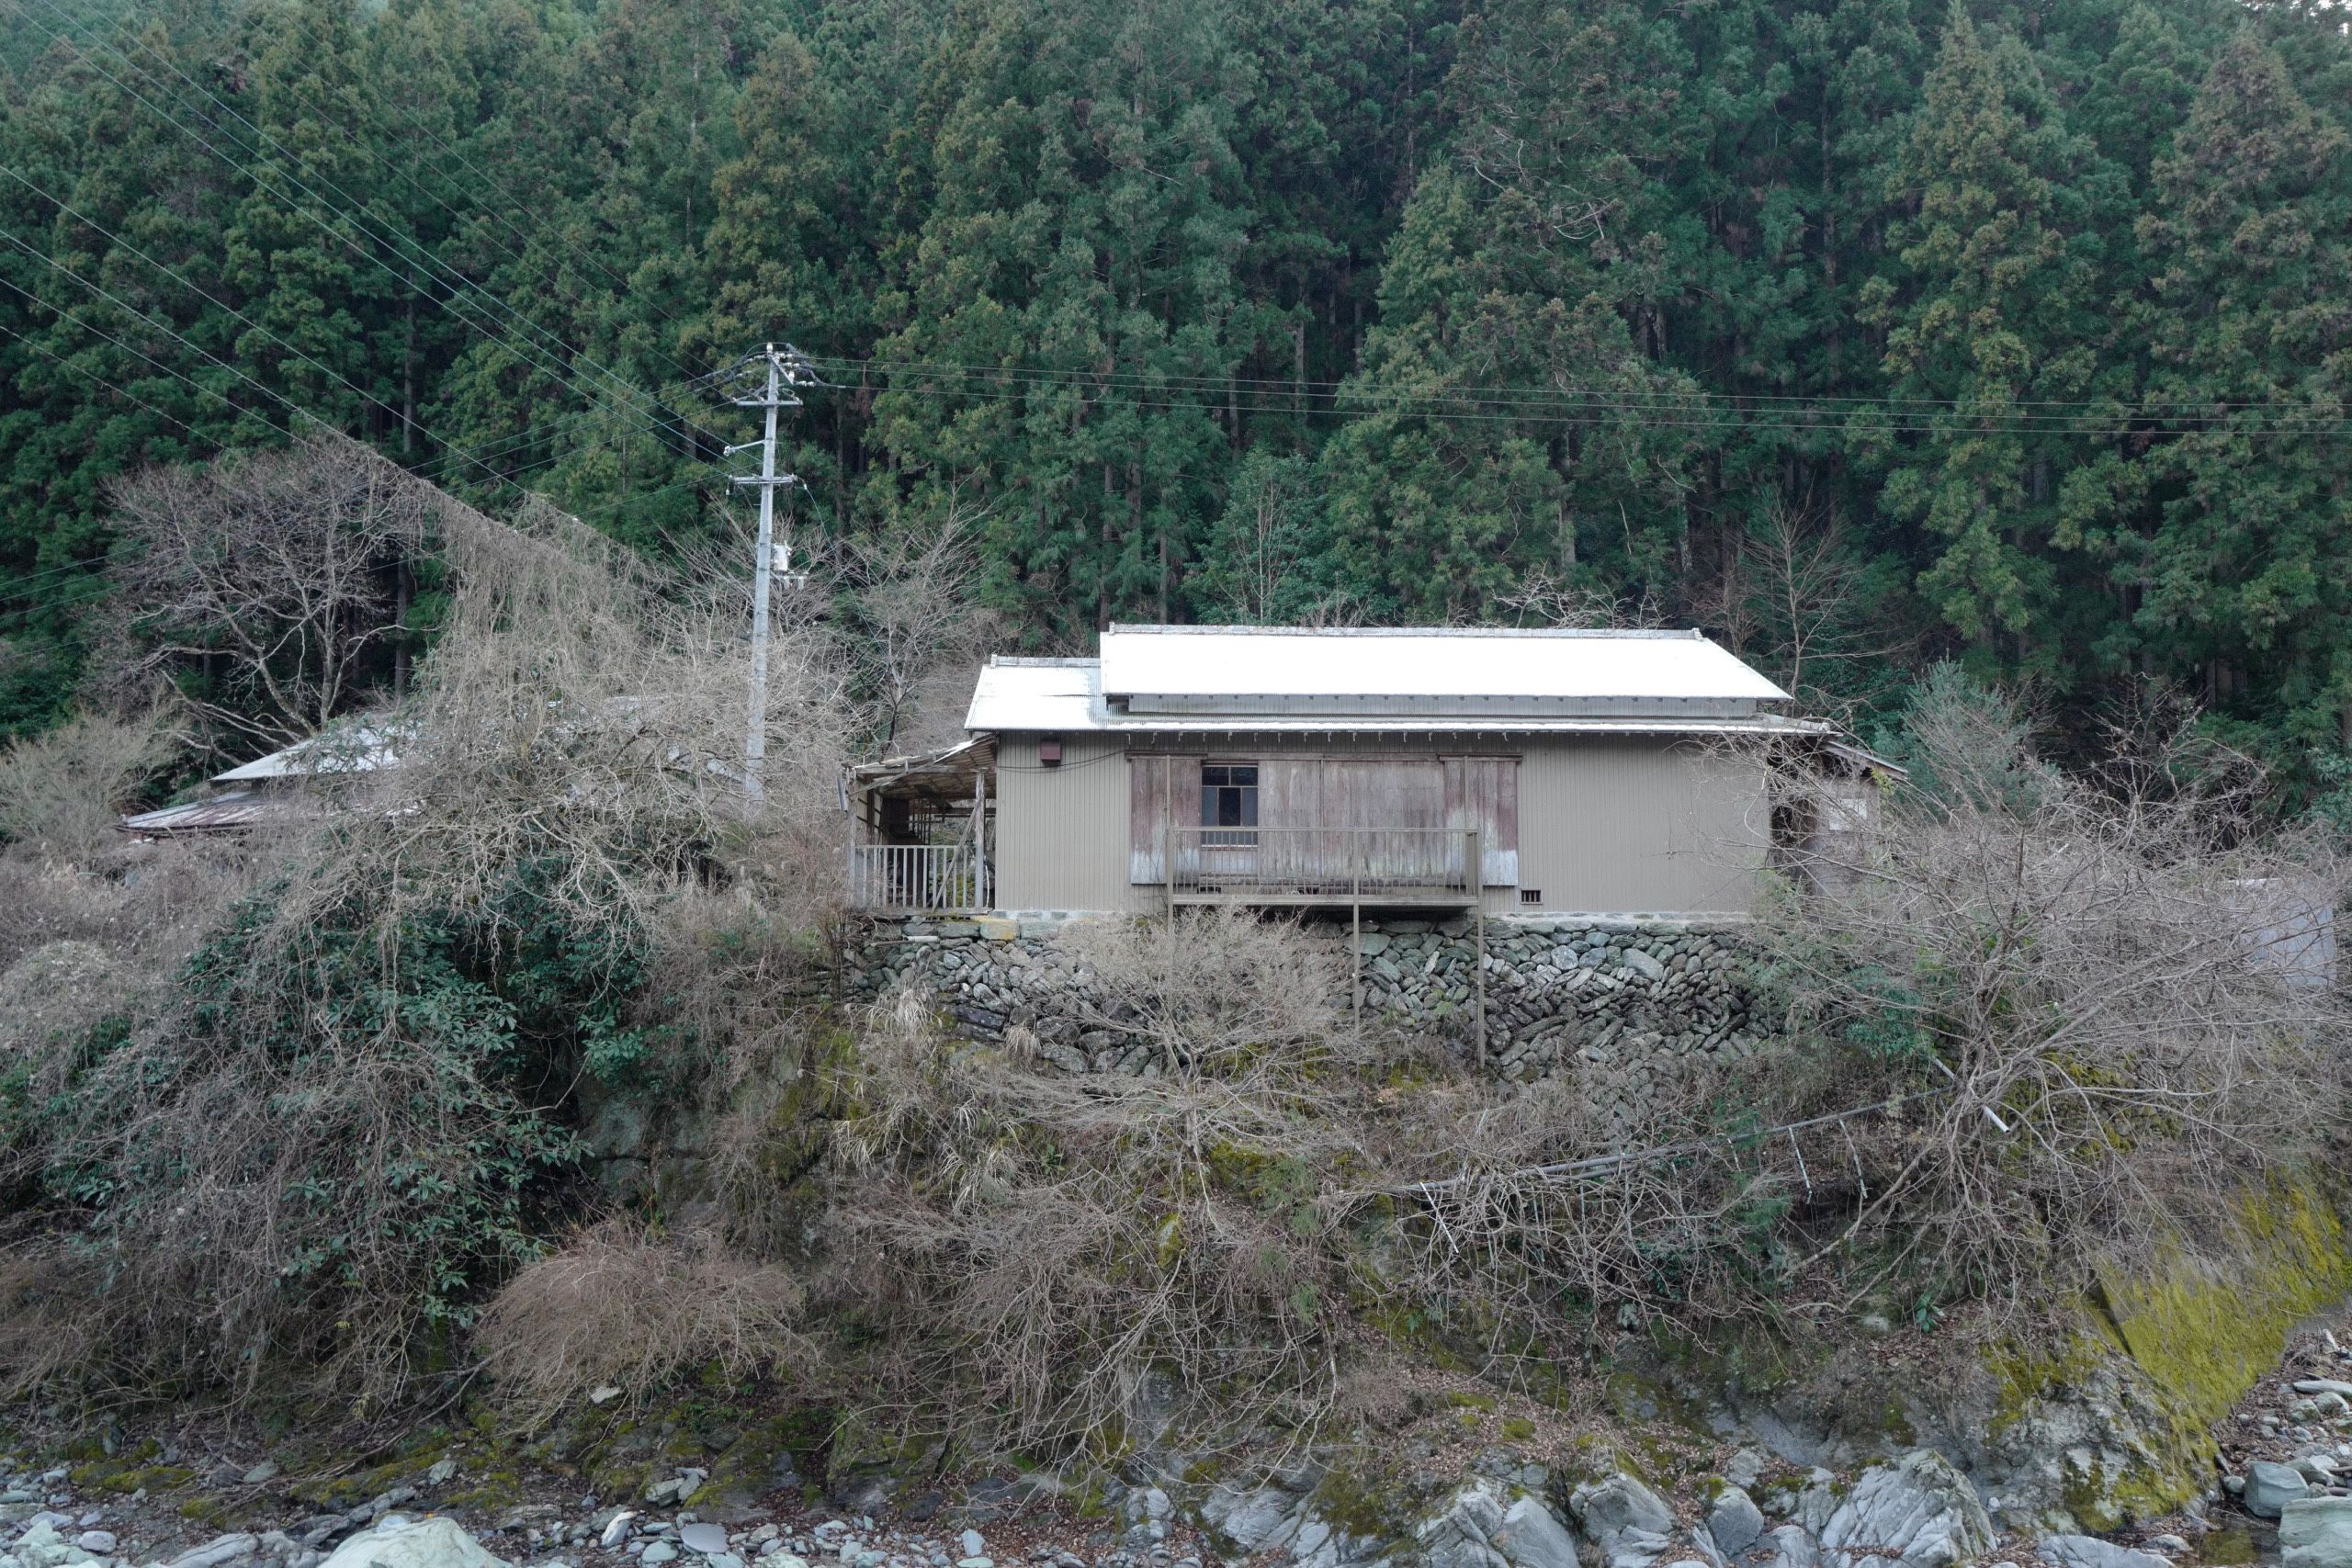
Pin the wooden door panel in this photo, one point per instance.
(1163, 792)
(1483, 792)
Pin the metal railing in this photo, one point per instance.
(914, 876)
(1321, 863)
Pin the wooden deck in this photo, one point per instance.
(1328, 867)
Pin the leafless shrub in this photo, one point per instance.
(61, 791)
(1536, 1219)
(151, 902)
(1791, 595)
(620, 1307)
(744, 998)
(1212, 989)
(582, 716)
(1063, 1260)
(263, 582)
(51, 1000)
(2036, 1021)
(1543, 599)
(46, 1333)
(2101, 992)
(922, 630)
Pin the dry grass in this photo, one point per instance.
(1063, 1261)
(619, 1306)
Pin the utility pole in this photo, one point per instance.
(786, 367)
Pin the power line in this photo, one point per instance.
(279, 398)
(1288, 387)
(205, 295)
(450, 277)
(504, 479)
(416, 122)
(1726, 421)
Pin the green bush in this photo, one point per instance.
(338, 1138)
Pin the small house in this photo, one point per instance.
(274, 790)
(1550, 773)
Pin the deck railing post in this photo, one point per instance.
(1355, 937)
(981, 839)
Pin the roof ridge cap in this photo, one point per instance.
(1155, 628)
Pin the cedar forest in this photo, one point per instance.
(1864, 332)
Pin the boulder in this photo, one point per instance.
(1250, 1518)
(426, 1543)
(1918, 1512)
(1734, 1521)
(1531, 1538)
(2270, 1487)
(1791, 1547)
(1481, 1526)
(42, 1547)
(218, 1551)
(2090, 1552)
(2316, 1533)
(1624, 1518)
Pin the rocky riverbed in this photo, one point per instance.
(1543, 1497)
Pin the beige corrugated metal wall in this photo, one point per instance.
(1061, 833)
(1631, 824)
(1640, 825)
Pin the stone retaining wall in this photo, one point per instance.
(1609, 1001)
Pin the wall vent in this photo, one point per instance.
(1531, 896)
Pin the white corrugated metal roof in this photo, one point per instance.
(1065, 696)
(353, 749)
(1035, 694)
(1406, 662)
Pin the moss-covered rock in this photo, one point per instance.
(2110, 1423)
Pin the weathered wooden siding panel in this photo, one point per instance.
(1163, 792)
(1062, 834)
(1639, 826)
(1483, 792)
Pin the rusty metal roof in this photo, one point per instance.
(221, 813)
